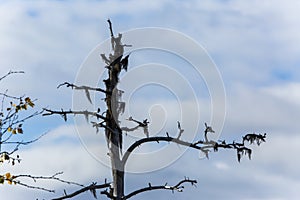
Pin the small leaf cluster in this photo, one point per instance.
(10, 120)
(8, 178)
(22, 105)
(5, 157)
(16, 130)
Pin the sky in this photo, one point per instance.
(253, 47)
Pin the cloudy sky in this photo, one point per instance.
(253, 44)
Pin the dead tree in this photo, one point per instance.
(108, 121)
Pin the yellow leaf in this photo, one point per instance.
(9, 129)
(9, 182)
(24, 107)
(30, 103)
(7, 175)
(14, 131)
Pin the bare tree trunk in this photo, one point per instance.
(116, 164)
(114, 133)
(0, 138)
(119, 183)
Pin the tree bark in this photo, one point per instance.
(114, 133)
(116, 164)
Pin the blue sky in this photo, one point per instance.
(254, 44)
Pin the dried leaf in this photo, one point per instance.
(31, 104)
(6, 157)
(239, 155)
(146, 132)
(65, 117)
(24, 106)
(86, 117)
(20, 130)
(93, 191)
(18, 107)
(124, 62)
(7, 175)
(249, 153)
(88, 96)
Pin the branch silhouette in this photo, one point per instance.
(11, 72)
(143, 124)
(205, 147)
(65, 113)
(92, 188)
(15, 179)
(85, 88)
(178, 187)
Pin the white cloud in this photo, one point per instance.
(248, 40)
(288, 92)
(258, 109)
(221, 166)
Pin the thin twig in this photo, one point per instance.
(91, 187)
(11, 72)
(65, 113)
(110, 28)
(53, 177)
(9, 96)
(14, 179)
(178, 187)
(67, 84)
